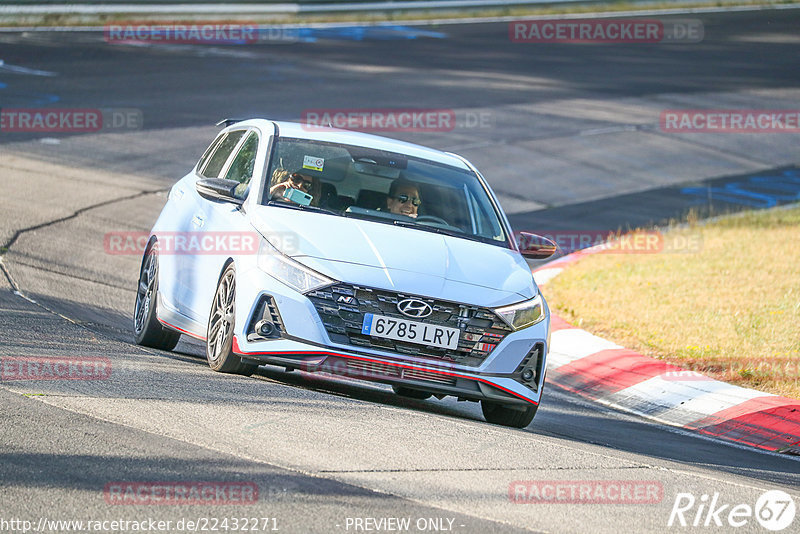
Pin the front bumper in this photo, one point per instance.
(303, 343)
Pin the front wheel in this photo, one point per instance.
(508, 415)
(219, 338)
(146, 329)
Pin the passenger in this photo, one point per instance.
(282, 180)
(403, 198)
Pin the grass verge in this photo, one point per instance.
(730, 309)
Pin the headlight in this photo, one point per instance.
(524, 314)
(288, 271)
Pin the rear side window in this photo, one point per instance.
(216, 161)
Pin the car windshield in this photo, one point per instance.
(385, 187)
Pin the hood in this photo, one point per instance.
(323, 241)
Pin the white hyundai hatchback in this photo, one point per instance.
(340, 252)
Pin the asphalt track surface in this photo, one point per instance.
(322, 450)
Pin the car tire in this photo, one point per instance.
(221, 322)
(147, 330)
(411, 393)
(508, 415)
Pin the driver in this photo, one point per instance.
(403, 198)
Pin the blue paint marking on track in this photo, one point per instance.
(158, 34)
(38, 99)
(44, 99)
(362, 33)
(305, 34)
(762, 191)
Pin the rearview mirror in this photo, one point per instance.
(535, 246)
(219, 189)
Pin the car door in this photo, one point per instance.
(224, 225)
(176, 220)
(191, 208)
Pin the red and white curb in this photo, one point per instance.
(614, 376)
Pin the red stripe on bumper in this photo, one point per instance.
(182, 331)
(239, 351)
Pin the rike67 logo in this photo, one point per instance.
(774, 510)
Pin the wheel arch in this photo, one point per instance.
(147, 248)
(225, 265)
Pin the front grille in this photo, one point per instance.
(376, 370)
(342, 307)
(371, 369)
(417, 374)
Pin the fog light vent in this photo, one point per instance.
(266, 322)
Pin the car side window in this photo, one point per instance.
(243, 164)
(483, 224)
(209, 151)
(222, 152)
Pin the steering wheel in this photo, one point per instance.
(432, 218)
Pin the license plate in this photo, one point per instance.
(410, 331)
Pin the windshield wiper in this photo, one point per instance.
(437, 230)
(293, 206)
(377, 216)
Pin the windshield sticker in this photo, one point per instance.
(313, 163)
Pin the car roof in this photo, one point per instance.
(348, 137)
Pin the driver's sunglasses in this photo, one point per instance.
(405, 198)
(301, 181)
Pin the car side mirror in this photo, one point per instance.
(535, 246)
(219, 189)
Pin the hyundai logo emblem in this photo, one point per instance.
(414, 308)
